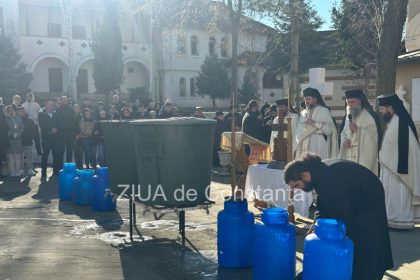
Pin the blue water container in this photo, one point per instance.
(66, 178)
(101, 200)
(328, 253)
(235, 235)
(275, 246)
(82, 193)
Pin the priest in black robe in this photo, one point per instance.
(349, 192)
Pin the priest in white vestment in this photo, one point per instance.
(316, 133)
(400, 164)
(282, 104)
(360, 135)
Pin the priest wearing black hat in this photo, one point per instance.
(400, 164)
(316, 133)
(361, 132)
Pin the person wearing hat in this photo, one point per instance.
(168, 111)
(220, 128)
(399, 157)
(361, 133)
(199, 113)
(316, 133)
(282, 105)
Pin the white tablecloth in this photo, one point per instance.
(266, 184)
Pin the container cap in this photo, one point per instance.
(330, 228)
(70, 166)
(102, 171)
(274, 216)
(86, 172)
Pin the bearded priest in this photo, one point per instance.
(400, 164)
(316, 133)
(361, 133)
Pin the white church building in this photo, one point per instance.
(54, 40)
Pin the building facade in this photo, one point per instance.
(54, 38)
(408, 70)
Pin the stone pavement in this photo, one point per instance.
(44, 238)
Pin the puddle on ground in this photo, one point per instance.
(118, 238)
(114, 238)
(172, 225)
(82, 229)
(158, 224)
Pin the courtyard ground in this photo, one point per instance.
(44, 238)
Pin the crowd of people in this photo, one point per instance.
(69, 132)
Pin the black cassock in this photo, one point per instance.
(352, 193)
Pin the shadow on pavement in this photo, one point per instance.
(47, 190)
(108, 220)
(403, 249)
(11, 188)
(166, 259)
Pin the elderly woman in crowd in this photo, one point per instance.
(15, 150)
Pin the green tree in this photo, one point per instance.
(14, 78)
(371, 30)
(297, 45)
(107, 49)
(213, 79)
(247, 92)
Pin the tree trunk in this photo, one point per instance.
(294, 60)
(389, 46)
(235, 17)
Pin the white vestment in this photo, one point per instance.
(32, 108)
(321, 139)
(402, 191)
(364, 142)
(295, 121)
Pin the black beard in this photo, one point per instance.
(308, 187)
(387, 117)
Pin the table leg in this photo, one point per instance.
(130, 210)
(134, 214)
(182, 226)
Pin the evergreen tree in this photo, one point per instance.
(313, 47)
(213, 80)
(107, 49)
(247, 92)
(14, 79)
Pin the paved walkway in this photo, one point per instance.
(43, 238)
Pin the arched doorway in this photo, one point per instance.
(50, 77)
(136, 80)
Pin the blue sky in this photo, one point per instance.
(323, 7)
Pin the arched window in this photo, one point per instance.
(193, 87)
(181, 46)
(224, 47)
(194, 45)
(182, 87)
(270, 81)
(212, 46)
